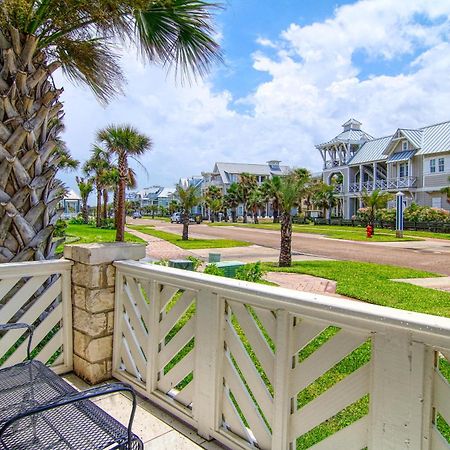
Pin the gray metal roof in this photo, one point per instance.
(371, 151)
(414, 136)
(401, 156)
(435, 139)
(351, 136)
(255, 169)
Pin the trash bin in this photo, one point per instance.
(184, 264)
(214, 257)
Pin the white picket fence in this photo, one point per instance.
(250, 365)
(37, 293)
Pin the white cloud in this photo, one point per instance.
(314, 87)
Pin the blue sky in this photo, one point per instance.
(294, 71)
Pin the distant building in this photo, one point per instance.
(153, 195)
(196, 181)
(414, 161)
(70, 204)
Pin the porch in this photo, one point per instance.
(243, 365)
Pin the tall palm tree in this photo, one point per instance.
(37, 37)
(125, 142)
(290, 195)
(247, 183)
(188, 197)
(375, 200)
(96, 167)
(85, 186)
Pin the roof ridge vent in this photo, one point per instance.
(352, 124)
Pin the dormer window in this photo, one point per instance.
(405, 145)
(274, 164)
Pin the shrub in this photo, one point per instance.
(108, 224)
(78, 220)
(212, 269)
(251, 272)
(60, 228)
(197, 261)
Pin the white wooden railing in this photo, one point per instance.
(249, 364)
(37, 293)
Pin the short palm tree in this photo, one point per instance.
(325, 199)
(373, 201)
(255, 202)
(188, 197)
(232, 199)
(85, 186)
(247, 183)
(124, 142)
(446, 190)
(270, 190)
(213, 200)
(37, 37)
(96, 167)
(290, 191)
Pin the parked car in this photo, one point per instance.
(177, 218)
(137, 215)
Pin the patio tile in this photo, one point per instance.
(145, 425)
(212, 445)
(173, 441)
(170, 421)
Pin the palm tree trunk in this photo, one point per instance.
(233, 215)
(105, 205)
(276, 217)
(30, 125)
(115, 203)
(98, 220)
(286, 240)
(244, 219)
(185, 236)
(123, 169)
(84, 211)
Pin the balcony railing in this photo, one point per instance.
(237, 360)
(392, 183)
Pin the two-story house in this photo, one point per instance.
(224, 174)
(414, 161)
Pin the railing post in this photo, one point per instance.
(93, 294)
(209, 342)
(282, 401)
(400, 393)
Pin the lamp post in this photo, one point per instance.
(399, 214)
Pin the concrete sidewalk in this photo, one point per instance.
(439, 283)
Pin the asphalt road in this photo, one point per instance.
(432, 255)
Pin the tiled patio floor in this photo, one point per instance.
(157, 429)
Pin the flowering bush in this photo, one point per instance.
(413, 213)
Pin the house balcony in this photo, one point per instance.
(390, 184)
(332, 164)
(241, 364)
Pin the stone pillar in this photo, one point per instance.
(93, 282)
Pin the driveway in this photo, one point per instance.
(432, 255)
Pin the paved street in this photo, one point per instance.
(431, 255)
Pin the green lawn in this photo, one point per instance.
(342, 232)
(87, 234)
(192, 243)
(372, 283)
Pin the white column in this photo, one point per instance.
(374, 175)
(361, 176)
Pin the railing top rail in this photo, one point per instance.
(432, 329)
(33, 268)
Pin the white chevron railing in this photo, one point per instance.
(39, 294)
(256, 366)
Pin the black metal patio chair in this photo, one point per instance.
(39, 410)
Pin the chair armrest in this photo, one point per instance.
(16, 326)
(77, 397)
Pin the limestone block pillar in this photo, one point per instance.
(93, 281)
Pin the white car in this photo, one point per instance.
(175, 218)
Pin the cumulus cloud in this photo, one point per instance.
(316, 82)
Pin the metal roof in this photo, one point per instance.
(435, 139)
(71, 195)
(166, 192)
(413, 136)
(371, 151)
(401, 156)
(255, 169)
(349, 136)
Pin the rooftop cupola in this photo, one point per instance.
(352, 124)
(274, 164)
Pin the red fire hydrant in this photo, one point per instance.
(369, 231)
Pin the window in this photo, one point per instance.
(405, 145)
(432, 166)
(436, 202)
(403, 172)
(441, 164)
